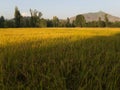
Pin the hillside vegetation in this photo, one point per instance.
(94, 16)
(60, 59)
(96, 19)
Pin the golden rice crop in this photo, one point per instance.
(60, 58)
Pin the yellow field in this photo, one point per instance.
(60, 59)
(26, 34)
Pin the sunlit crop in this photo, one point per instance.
(60, 59)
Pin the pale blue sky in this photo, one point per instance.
(60, 8)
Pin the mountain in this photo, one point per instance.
(95, 16)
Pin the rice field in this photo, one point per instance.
(60, 59)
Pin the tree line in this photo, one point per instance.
(36, 20)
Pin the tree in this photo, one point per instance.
(25, 22)
(2, 21)
(101, 23)
(49, 23)
(68, 24)
(80, 21)
(92, 24)
(35, 17)
(43, 23)
(106, 20)
(18, 17)
(55, 21)
(9, 24)
(62, 23)
(73, 23)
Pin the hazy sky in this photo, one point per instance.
(60, 8)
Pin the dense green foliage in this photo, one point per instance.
(80, 21)
(106, 21)
(35, 20)
(55, 21)
(101, 23)
(2, 21)
(60, 59)
(17, 17)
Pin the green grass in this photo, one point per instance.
(60, 59)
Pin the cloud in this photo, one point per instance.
(25, 14)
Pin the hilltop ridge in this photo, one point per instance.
(94, 16)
